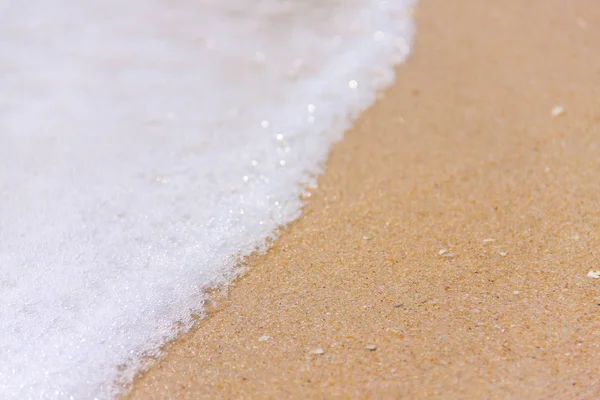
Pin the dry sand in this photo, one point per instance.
(462, 149)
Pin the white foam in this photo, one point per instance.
(144, 147)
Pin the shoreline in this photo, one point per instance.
(453, 229)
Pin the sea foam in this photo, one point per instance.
(145, 147)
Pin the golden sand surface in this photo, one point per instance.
(453, 230)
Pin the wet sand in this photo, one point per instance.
(453, 230)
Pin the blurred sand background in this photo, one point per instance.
(462, 155)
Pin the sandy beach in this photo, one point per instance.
(445, 253)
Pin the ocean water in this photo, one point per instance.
(145, 147)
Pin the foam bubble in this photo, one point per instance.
(145, 146)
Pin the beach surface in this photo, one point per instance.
(446, 251)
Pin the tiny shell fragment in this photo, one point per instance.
(594, 273)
